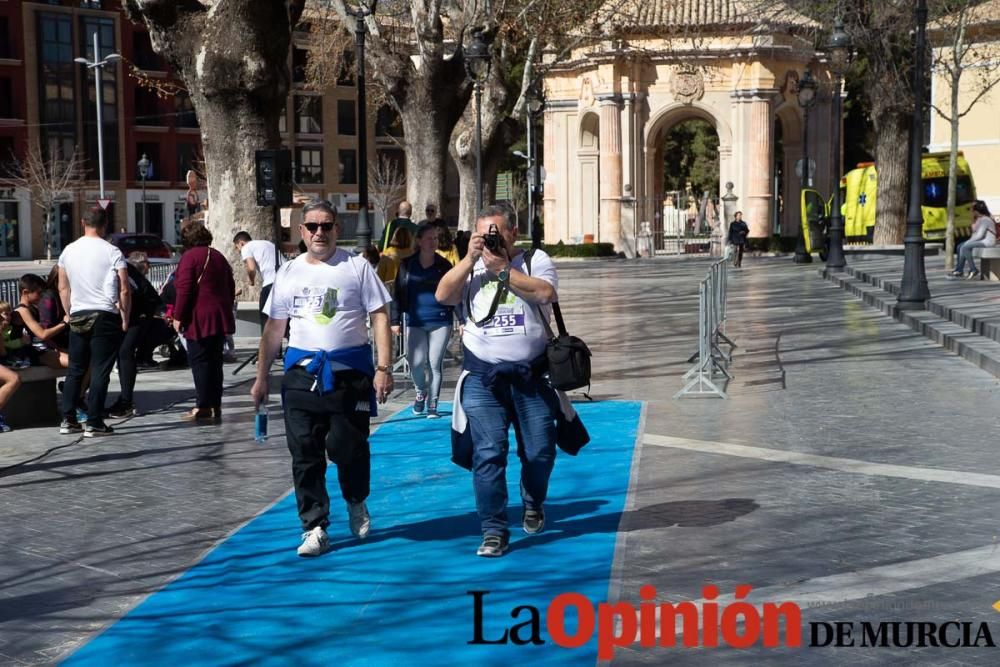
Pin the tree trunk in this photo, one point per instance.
(232, 56)
(891, 159)
(949, 235)
(497, 139)
(426, 149)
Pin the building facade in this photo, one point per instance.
(611, 104)
(979, 129)
(46, 97)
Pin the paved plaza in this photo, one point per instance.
(852, 471)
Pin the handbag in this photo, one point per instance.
(568, 356)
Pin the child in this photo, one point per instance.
(26, 318)
(13, 340)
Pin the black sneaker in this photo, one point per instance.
(69, 426)
(122, 410)
(533, 521)
(94, 430)
(493, 546)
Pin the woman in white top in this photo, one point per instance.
(984, 235)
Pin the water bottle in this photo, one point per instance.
(260, 424)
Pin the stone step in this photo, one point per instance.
(981, 350)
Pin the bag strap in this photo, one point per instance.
(501, 292)
(561, 326)
(208, 256)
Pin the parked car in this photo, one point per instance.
(152, 245)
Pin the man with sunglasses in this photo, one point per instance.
(330, 385)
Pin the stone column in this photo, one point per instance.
(611, 173)
(759, 172)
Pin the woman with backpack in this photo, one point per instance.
(145, 305)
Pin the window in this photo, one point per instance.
(8, 159)
(104, 28)
(388, 122)
(6, 48)
(152, 152)
(936, 191)
(6, 98)
(10, 244)
(56, 82)
(184, 110)
(142, 51)
(309, 114)
(346, 75)
(300, 60)
(347, 123)
(348, 167)
(147, 107)
(310, 165)
(185, 159)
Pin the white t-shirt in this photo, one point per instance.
(515, 333)
(92, 265)
(327, 303)
(984, 230)
(262, 253)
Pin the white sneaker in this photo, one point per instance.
(314, 542)
(360, 521)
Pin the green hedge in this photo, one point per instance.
(582, 250)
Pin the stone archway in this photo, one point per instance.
(659, 124)
(789, 116)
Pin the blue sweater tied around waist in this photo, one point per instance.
(358, 358)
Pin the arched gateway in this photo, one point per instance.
(610, 105)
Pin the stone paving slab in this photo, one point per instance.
(815, 372)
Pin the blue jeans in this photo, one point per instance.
(964, 251)
(530, 408)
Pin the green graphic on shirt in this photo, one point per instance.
(329, 309)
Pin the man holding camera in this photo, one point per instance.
(503, 370)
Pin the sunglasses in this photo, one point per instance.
(313, 226)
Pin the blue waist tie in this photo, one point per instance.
(519, 372)
(358, 358)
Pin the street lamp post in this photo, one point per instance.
(98, 66)
(913, 291)
(839, 50)
(536, 104)
(143, 173)
(806, 93)
(364, 230)
(477, 67)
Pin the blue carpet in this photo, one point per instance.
(400, 596)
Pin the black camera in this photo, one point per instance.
(493, 240)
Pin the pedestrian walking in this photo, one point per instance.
(259, 257)
(203, 314)
(401, 245)
(330, 384)
(428, 322)
(503, 379)
(738, 231)
(984, 235)
(402, 220)
(93, 287)
(146, 304)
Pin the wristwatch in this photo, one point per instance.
(504, 275)
(384, 369)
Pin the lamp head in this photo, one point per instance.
(144, 166)
(536, 98)
(839, 48)
(806, 90)
(477, 57)
(112, 57)
(82, 61)
(521, 155)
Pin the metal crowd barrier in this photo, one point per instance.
(711, 361)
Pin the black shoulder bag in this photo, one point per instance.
(568, 356)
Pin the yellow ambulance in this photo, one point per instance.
(859, 193)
